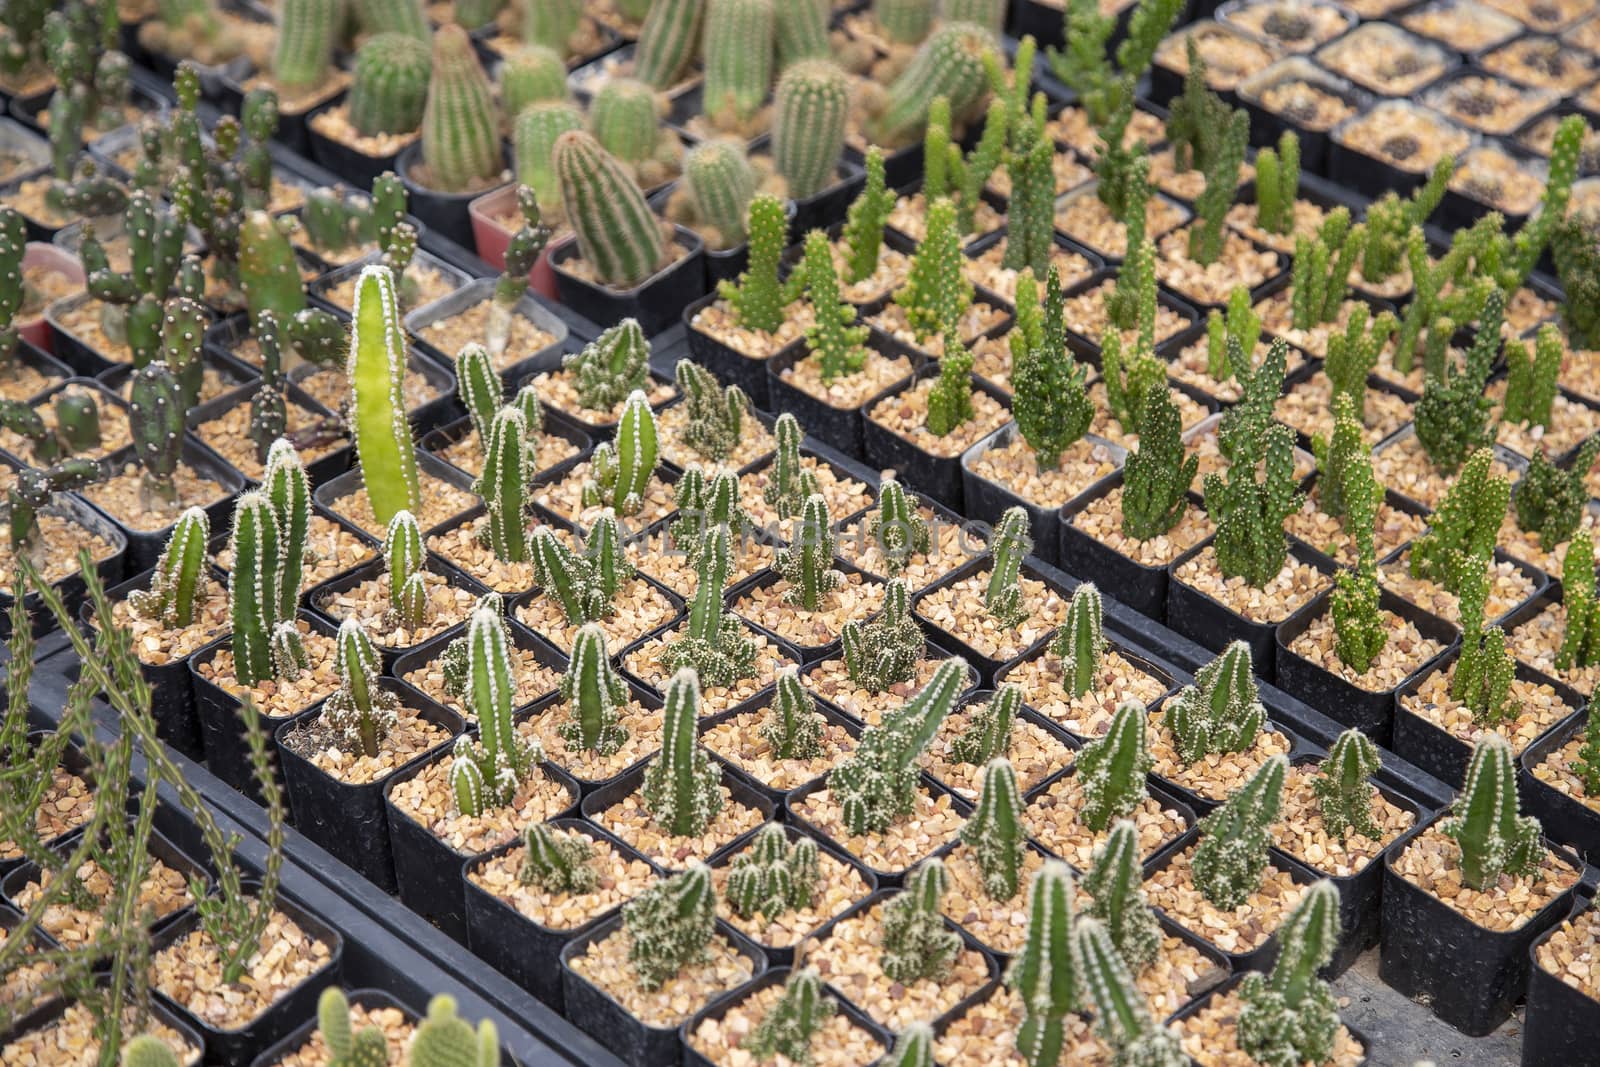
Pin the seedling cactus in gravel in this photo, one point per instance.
(389, 89)
(759, 297)
(1467, 520)
(864, 222)
(807, 563)
(1086, 66)
(593, 692)
(832, 338)
(791, 1025)
(1239, 324)
(1122, 1012)
(347, 1046)
(1081, 640)
(947, 173)
(1044, 975)
(1156, 476)
(917, 944)
(773, 877)
(179, 574)
(1278, 184)
(703, 506)
(404, 561)
(994, 831)
(266, 643)
(1580, 642)
(1111, 769)
(1354, 353)
(568, 578)
(1116, 897)
(786, 488)
(1452, 416)
(1242, 427)
(715, 644)
(716, 413)
(444, 1039)
(1290, 1015)
(950, 399)
(884, 652)
(503, 485)
(793, 726)
(1050, 400)
(1012, 542)
(670, 925)
(1232, 853)
(668, 41)
(620, 471)
(488, 770)
(1484, 668)
(913, 1047)
(1341, 785)
(155, 422)
(1549, 500)
(1391, 222)
(360, 712)
(988, 731)
(1222, 180)
(1221, 711)
(719, 182)
(460, 122)
(896, 528)
(1322, 266)
(1249, 508)
(1493, 838)
(1358, 619)
(557, 861)
(521, 256)
(682, 787)
(610, 367)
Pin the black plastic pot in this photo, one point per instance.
(1559, 1022)
(71, 588)
(1140, 587)
(1114, 643)
(937, 476)
(1350, 705)
(838, 427)
(443, 213)
(1106, 255)
(932, 652)
(319, 596)
(29, 355)
(599, 429)
(71, 760)
(786, 653)
(598, 1014)
(345, 160)
(144, 546)
(901, 167)
(1368, 174)
(833, 715)
(656, 302)
(1564, 817)
(1203, 805)
(802, 654)
(330, 493)
(886, 879)
(1267, 126)
(1468, 976)
(49, 1013)
(624, 785)
(369, 999)
(731, 366)
(1194, 1007)
(478, 291)
(345, 818)
(779, 975)
(318, 289)
(432, 649)
(973, 538)
(556, 424)
(988, 667)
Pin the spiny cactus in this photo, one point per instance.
(1278, 184)
(623, 117)
(1232, 852)
(1577, 261)
(914, 1045)
(1221, 711)
(1044, 974)
(1353, 353)
(808, 121)
(1550, 500)
(1050, 400)
(179, 574)
(719, 182)
(1245, 424)
(670, 925)
(785, 490)
(568, 578)
(1531, 379)
(307, 33)
(1240, 324)
(1222, 183)
(760, 296)
(405, 563)
(488, 772)
(1132, 372)
(917, 945)
(1081, 640)
(884, 652)
(1322, 266)
(1452, 416)
(1086, 64)
(668, 41)
(950, 399)
(1341, 785)
(1156, 476)
(390, 86)
(376, 370)
(503, 486)
(1467, 519)
(864, 221)
(950, 63)
(552, 23)
(715, 643)
(877, 783)
(1003, 595)
(618, 234)
(994, 831)
(704, 505)
(393, 16)
(460, 126)
(620, 471)
(522, 254)
(836, 344)
(988, 731)
(1484, 668)
(716, 413)
(1493, 838)
(682, 788)
(1250, 508)
(360, 713)
(557, 861)
(773, 877)
(253, 587)
(443, 1039)
(737, 51)
(1116, 899)
(807, 563)
(478, 388)
(790, 1026)
(534, 131)
(896, 527)
(155, 422)
(1359, 626)
(792, 725)
(1030, 160)
(148, 1051)
(1290, 1016)
(1112, 769)
(1580, 642)
(1122, 1012)
(347, 1047)
(610, 367)
(936, 293)
(593, 692)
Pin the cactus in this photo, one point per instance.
(178, 576)
(308, 30)
(1278, 184)
(810, 107)
(533, 134)
(1121, 1011)
(790, 1026)
(896, 527)
(988, 731)
(390, 85)
(624, 119)
(1222, 183)
(522, 255)
(1012, 541)
(289, 492)
(715, 644)
(1341, 457)
(793, 726)
(951, 64)
(557, 861)
(132, 300)
(719, 183)
(379, 17)
(551, 23)
(773, 877)
(994, 831)
(737, 52)
(806, 565)
(1531, 380)
(617, 233)
(1080, 641)
(1243, 426)
(704, 506)
(478, 388)
(1239, 325)
(1290, 1016)
(1322, 266)
(1232, 851)
(269, 407)
(346, 1047)
(1130, 375)
(1587, 765)
(1466, 521)
(913, 1047)
(917, 945)
(716, 413)
(155, 422)
(593, 692)
(1521, 251)
(670, 924)
(1221, 711)
(460, 125)
(1452, 416)
(682, 787)
(503, 486)
(568, 578)
(147, 1051)
(837, 345)
(1250, 509)
(612, 366)
(864, 221)
(488, 772)
(1157, 475)
(253, 587)
(268, 273)
(1113, 884)
(936, 293)
(183, 329)
(884, 653)
(360, 713)
(376, 370)
(785, 486)
(620, 473)
(1494, 839)
(1577, 262)
(759, 298)
(405, 564)
(1390, 220)
(1044, 974)
(1580, 642)
(668, 41)
(950, 399)
(1049, 398)
(1112, 769)
(1353, 353)
(1341, 786)
(443, 1039)
(877, 783)
(34, 490)
(1086, 65)
(1484, 670)
(1549, 500)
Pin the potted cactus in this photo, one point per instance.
(783, 742)
(903, 535)
(362, 135)
(715, 424)
(786, 1012)
(480, 389)
(776, 491)
(593, 384)
(622, 474)
(713, 200)
(671, 554)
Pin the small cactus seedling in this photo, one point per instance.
(376, 370)
(1549, 500)
(146, 1050)
(444, 1039)
(1116, 898)
(773, 877)
(460, 123)
(1112, 769)
(936, 292)
(1243, 427)
(1122, 1012)
(624, 118)
(348, 1047)
(716, 413)
(360, 713)
(478, 388)
(877, 783)
(253, 587)
(1081, 640)
(1587, 765)
(1484, 669)
(1230, 335)
(1343, 792)
(718, 184)
(404, 562)
(1132, 372)
(914, 1045)
(1221, 711)
(988, 731)
(1354, 353)
(785, 490)
(884, 652)
(1249, 508)
(951, 63)
(390, 86)
(994, 831)
(715, 644)
(503, 486)
(759, 296)
(682, 787)
(593, 692)
(1580, 642)
(1044, 974)
(1003, 596)
(864, 221)
(950, 399)
(1232, 853)
(155, 422)
(1358, 620)
(617, 233)
(837, 345)
(793, 726)
(620, 472)
(611, 367)
(1290, 1015)
(308, 30)
(1050, 399)
(269, 408)
(1278, 185)
(703, 506)
(568, 578)
(896, 527)
(1467, 520)
(1222, 183)
(1322, 263)
(917, 945)
(809, 115)
(1453, 415)
(807, 563)
(558, 861)
(522, 254)
(179, 575)
(1156, 476)
(791, 1025)
(1494, 839)
(670, 925)
(489, 771)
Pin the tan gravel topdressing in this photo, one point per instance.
(532, 678)
(1292, 587)
(999, 925)
(907, 841)
(164, 891)
(368, 603)
(1302, 834)
(1216, 775)
(426, 798)
(644, 739)
(1044, 690)
(1538, 708)
(630, 820)
(1432, 860)
(68, 803)
(1572, 953)
(646, 664)
(949, 546)
(844, 494)
(1052, 820)
(838, 1042)
(394, 1024)
(189, 971)
(278, 698)
(605, 964)
(856, 597)
(1239, 931)
(959, 609)
(1405, 651)
(1509, 587)
(1035, 754)
(621, 879)
(411, 737)
(1558, 770)
(830, 680)
(157, 644)
(70, 1041)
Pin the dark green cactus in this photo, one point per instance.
(1341, 786)
(1050, 397)
(1044, 974)
(610, 367)
(1232, 854)
(1112, 769)
(1117, 900)
(478, 388)
(1003, 595)
(503, 485)
(288, 490)
(716, 412)
(1290, 1015)
(378, 17)
(405, 562)
(994, 831)
(832, 339)
(593, 692)
(1466, 521)
(936, 293)
(1484, 669)
(1580, 642)
(917, 945)
(703, 506)
(864, 221)
(1494, 839)
(913, 1047)
(1453, 415)
(670, 924)
(617, 233)
(155, 422)
(1122, 1012)
(568, 578)
(33, 492)
(793, 726)
(620, 472)
(806, 564)
(715, 643)
(1081, 640)
(682, 787)
(988, 731)
(360, 713)
(773, 877)
(179, 574)
(896, 527)
(785, 490)
(791, 1025)
(1221, 711)
(884, 653)
(253, 587)
(808, 122)
(558, 861)
(460, 124)
(950, 63)
(1156, 476)
(488, 771)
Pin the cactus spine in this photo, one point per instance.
(988, 731)
(253, 587)
(1116, 899)
(1122, 1012)
(488, 772)
(913, 1047)
(667, 41)
(1341, 785)
(1221, 712)
(1081, 640)
(682, 789)
(738, 57)
(155, 422)
(917, 945)
(950, 63)
(620, 473)
(1484, 822)
(720, 182)
(791, 1025)
(503, 485)
(611, 366)
(478, 388)
(443, 1039)
(1044, 974)
(460, 127)
(793, 726)
(896, 527)
(1290, 1016)
(617, 233)
(376, 369)
(390, 87)
(994, 831)
(808, 124)
(671, 923)
(179, 574)
(1012, 541)
(716, 414)
(360, 712)
(593, 692)
(715, 645)
(1232, 853)
(883, 653)
(773, 877)
(558, 861)
(1112, 769)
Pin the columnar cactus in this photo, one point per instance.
(668, 41)
(489, 771)
(715, 644)
(1044, 974)
(1050, 401)
(988, 731)
(1250, 508)
(802, 31)
(1244, 425)
(877, 783)
(737, 51)
(1550, 500)
(1278, 184)
(593, 692)
(1484, 670)
(864, 221)
(307, 33)
(1232, 335)
(994, 831)
(682, 787)
(460, 124)
(1221, 711)
(1112, 769)
(360, 713)
(950, 63)
(719, 182)
(617, 232)
(623, 117)
(179, 574)
(1081, 640)
(896, 527)
(936, 293)
(405, 563)
(1341, 785)
(716, 413)
(1318, 286)
(836, 344)
(785, 490)
(253, 587)
(806, 564)
(534, 131)
(1012, 541)
(670, 924)
(552, 23)
(390, 87)
(950, 399)
(155, 422)
(793, 726)
(346, 1046)
(1453, 414)
(1466, 521)
(703, 506)
(1030, 161)
(913, 1047)
(808, 122)
(1493, 838)
(1122, 1013)
(610, 367)
(773, 877)
(1117, 899)
(620, 471)
(917, 944)
(884, 652)
(1290, 1015)
(478, 388)
(393, 16)
(1580, 642)
(557, 861)
(1222, 183)
(1232, 853)
(568, 578)
(1353, 353)
(759, 297)
(791, 1025)
(376, 370)
(454, 661)
(1156, 476)
(443, 1039)
(503, 486)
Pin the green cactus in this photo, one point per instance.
(884, 652)
(737, 52)
(487, 772)
(443, 1039)
(376, 371)
(1493, 838)
(936, 292)
(720, 183)
(478, 388)
(1587, 765)
(308, 30)
(1531, 380)
(1112, 769)
(1050, 400)
(1081, 640)
(1250, 508)
(1290, 1016)
(1278, 184)
(1484, 669)
(951, 64)
(836, 344)
(620, 473)
(773, 877)
(1322, 266)
(405, 563)
(1390, 220)
(1549, 500)
(179, 574)
(593, 692)
(533, 135)
(1358, 620)
(503, 486)
(1246, 423)
(1453, 415)
(1129, 376)
(1232, 853)
(1221, 712)
(1222, 183)
(1577, 261)
(1086, 66)
(1520, 252)
(716, 413)
(78, 420)
(253, 587)
(390, 86)
(558, 861)
(950, 400)
(948, 173)
(994, 831)
(1030, 238)
(1341, 785)
(268, 272)
(913, 1047)
(393, 16)
(1156, 476)
(360, 713)
(896, 528)
(1467, 519)
(460, 124)
(617, 233)
(1003, 595)
(1044, 974)
(552, 23)
(759, 298)
(791, 1025)
(810, 107)
(612, 366)
(864, 221)
(877, 783)
(682, 787)
(668, 41)
(703, 506)
(670, 924)
(1580, 642)
(715, 643)
(988, 731)
(624, 119)
(792, 725)
(801, 32)
(1122, 1012)
(1240, 325)
(786, 479)
(806, 565)
(1353, 353)
(34, 490)
(155, 422)
(1116, 899)
(527, 244)
(568, 578)
(147, 1051)
(917, 945)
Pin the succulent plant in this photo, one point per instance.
(1232, 853)
(620, 472)
(792, 725)
(308, 30)
(994, 831)
(265, 643)
(670, 924)
(917, 944)
(133, 301)
(405, 569)
(1580, 642)
(737, 51)
(1003, 595)
(625, 119)
(1249, 505)
(1484, 670)
(488, 771)
(896, 528)
(951, 64)
(988, 731)
(719, 183)
(155, 422)
(682, 787)
(393, 16)
(786, 488)
(552, 23)
(1549, 500)
(806, 564)
(791, 1025)
(773, 876)
(702, 507)
(376, 370)
(1044, 974)
(534, 131)
(1111, 769)
(1050, 400)
(1494, 839)
(460, 124)
(1221, 711)
(1086, 65)
(936, 292)
(557, 861)
(811, 105)
(1122, 1012)
(1116, 899)
(759, 297)
(668, 41)
(179, 574)
(913, 1047)
(1467, 519)
(1341, 785)
(360, 713)
(836, 344)
(716, 413)
(593, 692)
(1081, 639)
(864, 221)
(527, 244)
(1289, 1015)
(444, 1039)
(1358, 620)
(571, 580)
(715, 643)
(1452, 416)
(884, 652)
(1156, 476)
(503, 486)
(617, 233)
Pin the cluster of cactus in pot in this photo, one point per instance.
(76, 430)
(715, 642)
(806, 563)
(490, 770)
(620, 471)
(884, 652)
(92, 81)
(716, 413)
(703, 506)
(625, 118)
(612, 366)
(594, 693)
(682, 787)
(917, 942)
(774, 876)
(557, 861)
(582, 585)
(987, 734)
(670, 925)
(133, 302)
(1050, 398)
(268, 542)
(1221, 712)
(1002, 596)
(361, 712)
(177, 585)
(896, 528)
(793, 726)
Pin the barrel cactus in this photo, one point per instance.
(808, 125)
(390, 88)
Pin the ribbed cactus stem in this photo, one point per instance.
(404, 561)
(551, 23)
(624, 118)
(460, 123)
(737, 51)
(808, 123)
(1013, 540)
(950, 63)
(720, 182)
(378, 17)
(668, 41)
(1112, 769)
(994, 831)
(307, 33)
(1232, 854)
(682, 787)
(443, 1039)
(1221, 712)
(637, 450)
(1290, 1015)
(802, 31)
(773, 877)
(791, 1025)
(268, 272)
(478, 388)
(670, 924)
(179, 574)
(146, 1050)
(390, 86)
(1494, 838)
(558, 861)
(155, 422)
(533, 139)
(1114, 886)
(904, 21)
(917, 945)
(807, 563)
(347, 1046)
(289, 490)
(488, 772)
(253, 587)
(1343, 791)
(793, 726)
(376, 370)
(531, 75)
(1122, 1012)
(913, 1047)
(1081, 640)
(617, 232)
(594, 692)
(715, 644)
(503, 485)
(1044, 974)
(360, 713)
(988, 731)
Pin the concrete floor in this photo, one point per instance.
(1403, 1032)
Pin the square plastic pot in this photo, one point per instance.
(731, 366)
(988, 667)
(443, 213)
(491, 238)
(1141, 587)
(1368, 174)
(624, 785)
(937, 476)
(655, 302)
(478, 291)
(1560, 1023)
(346, 160)
(1195, 1006)
(1203, 805)
(886, 878)
(831, 714)
(371, 1000)
(720, 1007)
(1267, 125)
(802, 654)
(71, 588)
(1564, 818)
(835, 426)
(144, 546)
(597, 427)
(970, 690)
(161, 1013)
(329, 493)
(318, 288)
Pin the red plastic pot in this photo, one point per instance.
(491, 238)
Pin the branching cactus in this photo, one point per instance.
(896, 527)
(1117, 899)
(620, 472)
(568, 578)
(1030, 161)
(534, 130)
(994, 831)
(917, 945)
(737, 51)
(348, 1047)
(444, 1039)
(719, 183)
(836, 344)
(1222, 183)
(808, 122)
(1322, 266)
(1240, 432)
(773, 877)
(716, 644)
(668, 41)
(914, 1045)
(1232, 853)
(503, 486)
(703, 506)
(1278, 184)
(1390, 221)
(1136, 282)
(864, 221)
(179, 575)
(682, 787)
(791, 1025)
(1580, 642)
(670, 924)
(490, 771)
(1132, 373)
(1012, 542)
(936, 293)
(34, 490)
(618, 234)
(950, 399)
(1122, 1012)
(1353, 353)
(594, 692)
(716, 412)
(360, 713)
(1550, 500)
(1112, 769)
(253, 588)
(1044, 975)
(951, 64)
(760, 296)
(1156, 476)
(1587, 765)
(611, 367)
(1452, 416)
(1341, 785)
(787, 483)
(988, 731)
(793, 726)
(1484, 669)
(807, 563)
(454, 661)
(155, 422)
(1238, 324)
(377, 369)
(948, 173)
(460, 123)
(1494, 839)
(1050, 399)
(1250, 510)
(557, 861)
(522, 255)
(1340, 455)
(1466, 521)
(1531, 379)
(1081, 640)
(405, 563)
(1290, 1015)
(308, 30)
(884, 652)
(877, 783)
(1221, 712)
